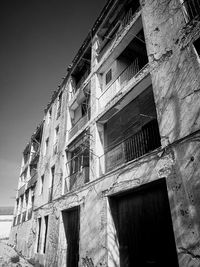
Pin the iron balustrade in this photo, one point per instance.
(117, 29)
(191, 8)
(142, 142)
(78, 126)
(33, 180)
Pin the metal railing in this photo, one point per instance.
(76, 179)
(191, 8)
(33, 180)
(80, 123)
(142, 142)
(21, 191)
(119, 83)
(124, 21)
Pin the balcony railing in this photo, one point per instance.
(21, 191)
(33, 180)
(50, 194)
(191, 9)
(78, 126)
(117, 85)
(117, 30)
(142, 142)
(77, 179)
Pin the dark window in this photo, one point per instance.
(71, 221)
(42, 183)
(144, 227)
(108, 76)
(197, 46)
(39, 231)
(46, 218)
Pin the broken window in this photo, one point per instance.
(143, 224)
(46, 219)
(119, 18)
(71, 221)
(82, 70)
(78, 161)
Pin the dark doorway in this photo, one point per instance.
(71, 220)
(144, 227)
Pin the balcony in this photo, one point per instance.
(33, 180)
(21, 191)
(110, 33)
(142, 142)
(77, 179)
(119, 83)
(78, 126)
(191, 9)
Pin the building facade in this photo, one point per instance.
(111, 175)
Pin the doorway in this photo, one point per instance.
(71, 221)
(144, 227)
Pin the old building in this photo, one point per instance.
(111, 177)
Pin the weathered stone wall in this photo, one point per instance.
(174, 69)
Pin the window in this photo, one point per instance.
(46, 145)
(38, 235)
(55, 146)
(42, 184)
(59, 105)
(197, 46)
(49, 115)
(108, 76)
(46, 219)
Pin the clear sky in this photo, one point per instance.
(39, 39)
